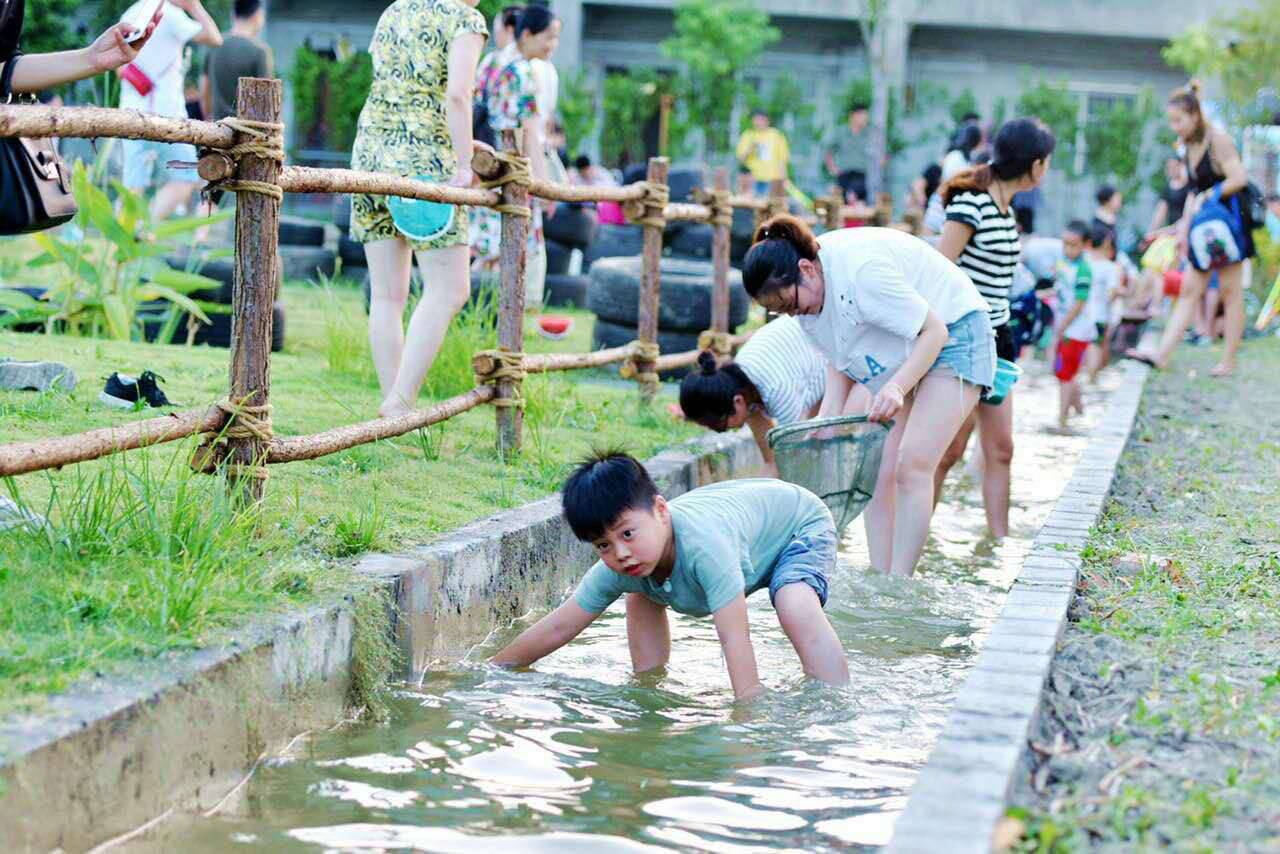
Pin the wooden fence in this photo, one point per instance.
(245, 155)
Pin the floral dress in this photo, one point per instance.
(403, 127)
(511, 96)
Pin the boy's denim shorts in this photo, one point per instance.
(970, 351)
(806, 560)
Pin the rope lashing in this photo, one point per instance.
(493, 366)
(721, 206)
(244, 421)
(649, 210)
(263, 139)
(517, 172)
(720, 343)
(641, 351)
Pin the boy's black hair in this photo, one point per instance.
(1104, 194)
(583, 162)
(1079, 228)
(859, 107)
(605, 485)
(246, 8)
(1100, 234)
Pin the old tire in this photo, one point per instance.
(693, 241)
(606, 335)
(558, 256)
(34, 292)
(565, 291)
(295, 231)
(216, 333)
(306, 262)
(613, 241)
(351, 253)
(342, 213)
(685, 306)
(573, 225)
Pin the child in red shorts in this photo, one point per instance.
(1074, 329)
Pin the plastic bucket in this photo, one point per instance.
(1007, 374)
(1172, 283)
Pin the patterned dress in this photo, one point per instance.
(403, 127)
(511, 96)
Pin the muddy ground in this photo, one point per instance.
(1162, 723)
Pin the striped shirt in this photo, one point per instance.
(789, 373)
(990, 258)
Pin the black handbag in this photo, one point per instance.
(35, 185)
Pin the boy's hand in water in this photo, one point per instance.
(887, 403)
(739, 655)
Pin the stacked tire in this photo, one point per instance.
(575, 226)
(351, 252)
(684, 310)
(217, 302)
(303, 254)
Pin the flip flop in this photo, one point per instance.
(1143, 358)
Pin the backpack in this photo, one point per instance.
(1216, 237)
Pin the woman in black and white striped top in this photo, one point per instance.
(981, 237)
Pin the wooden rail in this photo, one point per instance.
(249, 444)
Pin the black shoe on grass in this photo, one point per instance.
(124, 392)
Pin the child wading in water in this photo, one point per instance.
(701, 553)
(1074, 329)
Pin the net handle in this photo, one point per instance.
(819, 424)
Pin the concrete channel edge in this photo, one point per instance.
(180, 732)
(962, 792)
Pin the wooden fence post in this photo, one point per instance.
(514, 258)
(720, 250)
(835, 219)
(257, 266)
(651, 280)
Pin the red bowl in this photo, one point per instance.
(554, 325)
(1172, 283)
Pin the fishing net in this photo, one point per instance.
(836, 459)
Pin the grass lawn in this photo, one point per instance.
(1163, 729)
(144, 557)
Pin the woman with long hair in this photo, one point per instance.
(777, 378)
(1212, 163)
(981, 236)
(416, 123)
(892, 314)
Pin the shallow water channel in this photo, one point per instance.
(581, 755)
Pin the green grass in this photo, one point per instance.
(1169, 672)
(144, 557)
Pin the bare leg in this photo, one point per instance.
(390, 263)
(1184, 311)
(934, 421)
(953, 455)
(1064, 403)
(810, 632)
(1208, 311)
(446, 284)
(995, 430)
(169, 198)
(648, 633)
(1231, 287)
(878, 517)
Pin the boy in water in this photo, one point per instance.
(1074, 329)
(701, 553)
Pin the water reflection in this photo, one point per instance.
(582, 755)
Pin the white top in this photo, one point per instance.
(1041, 255)
(1070, 289)
(161, 60)
(547, 88)
(881, 284)
(790, 375)
(1106, 278)
(954, 162)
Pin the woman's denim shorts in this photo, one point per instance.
(970, 351)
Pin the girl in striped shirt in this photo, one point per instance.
(981, 237)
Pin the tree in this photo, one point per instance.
(882, 24)
(577, 109)
(1120, 143)
(1241, 51)
(713, 41)
(966, 103)
(630, 100)
(1058, 108)
(45, 27)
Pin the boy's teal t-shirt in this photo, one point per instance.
(728, 538)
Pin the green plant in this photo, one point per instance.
(358, 532)
(1060, 110)
(963, 104)
(630, 102)
(713, 41)
(374, 656)
(785, 101)
(577, 109)
(104, 279)
(1119, 142)
(1241, 51)
(328, 95)
(45, 27)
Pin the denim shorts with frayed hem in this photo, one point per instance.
(970, 351)
(806, 560)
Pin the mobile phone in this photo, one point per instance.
(149, 25)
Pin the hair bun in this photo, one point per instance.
(1194, 87)
(707, 363)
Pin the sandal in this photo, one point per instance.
(1139, 356)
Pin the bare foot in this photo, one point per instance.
(393, 407)
(1222, 369)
